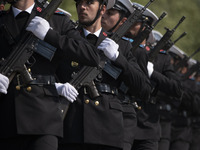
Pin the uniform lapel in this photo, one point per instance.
(102, 36)
(11, 24)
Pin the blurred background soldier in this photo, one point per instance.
(181, 134)
(2, 5)
(161, 74)
(195, 116)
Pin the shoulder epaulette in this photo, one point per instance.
(163, 51)
(127, 39)
(59, 13)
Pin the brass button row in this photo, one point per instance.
(87, 101)
(18, 87)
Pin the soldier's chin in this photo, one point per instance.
(85, 23)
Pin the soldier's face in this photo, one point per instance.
(87, 10)
(2, 7)
(110, 19)
(134, 30)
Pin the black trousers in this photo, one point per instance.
(30, 142)
(85, 147)
(195, 145)
(164, 142)
(145, 145)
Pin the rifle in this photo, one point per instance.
(144, 34)
(15, 62)
(184, 61)
(170, 43)
(163, 41)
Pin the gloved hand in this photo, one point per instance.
(110, 48)
(67, 90)
(150, 68)
(4, 82)
(39, 27)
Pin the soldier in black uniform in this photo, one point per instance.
(111, 21)
(195, 116)
(165, 105)
(181, 133)
(31, 115)
(148, 131)
(98, 121)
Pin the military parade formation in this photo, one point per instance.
(108, 81)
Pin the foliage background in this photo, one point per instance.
(175, 10)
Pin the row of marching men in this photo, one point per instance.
(135, 102)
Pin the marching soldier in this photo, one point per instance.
(160, 74)
(181, 134)
(31, 114)
(195, 120)
(111, 21)
(97, 122)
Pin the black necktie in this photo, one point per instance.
(21, 19)
(92, 38)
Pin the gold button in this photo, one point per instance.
(96, 103)
(29, 89)
(139, 107)
(29, 69)
(17, 87)
(74, 64)
(87, 101)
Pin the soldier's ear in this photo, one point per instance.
(103, 9)
(122, 21)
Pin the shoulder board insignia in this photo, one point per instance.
(163, 51)
(142, 46)
(127, 39)
(59, 12)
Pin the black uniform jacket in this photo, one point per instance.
(38, 111)
(165, 80)
(100, 120)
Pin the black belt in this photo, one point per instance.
(106, 88)
(43, 80)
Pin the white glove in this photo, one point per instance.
(4, 82)
(67, 90)
(110, 48)
(39, 27)
(150, 68)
